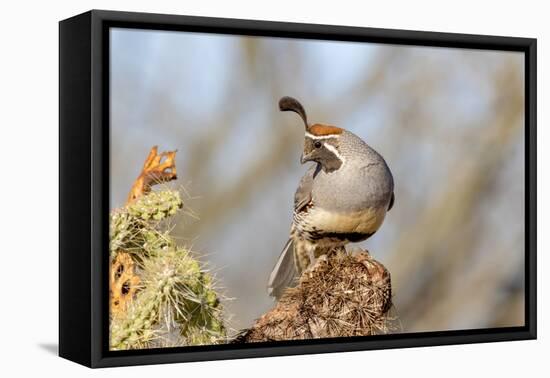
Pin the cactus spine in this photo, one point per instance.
(166, 298)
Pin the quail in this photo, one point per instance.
(343, 197)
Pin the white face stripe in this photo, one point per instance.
(319, 137)
(333, 149)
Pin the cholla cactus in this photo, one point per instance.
(175, 302)
(134, 228)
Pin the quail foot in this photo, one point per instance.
(343, 197)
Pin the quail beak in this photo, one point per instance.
(303, 159)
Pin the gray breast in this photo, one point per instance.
(364, 181)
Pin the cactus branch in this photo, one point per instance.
(160, 295)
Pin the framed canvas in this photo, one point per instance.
(234, 188)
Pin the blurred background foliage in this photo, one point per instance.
(449, 122)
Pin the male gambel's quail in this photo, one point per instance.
(343, 198)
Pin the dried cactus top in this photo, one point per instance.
(343, 295)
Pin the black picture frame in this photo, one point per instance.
(84, 193)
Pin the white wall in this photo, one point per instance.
(28, 119)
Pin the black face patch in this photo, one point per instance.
(323, 151)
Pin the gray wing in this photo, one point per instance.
(284, 272)
(303, 194)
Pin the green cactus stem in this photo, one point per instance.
(177, 299)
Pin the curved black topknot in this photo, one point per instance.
(288, 103)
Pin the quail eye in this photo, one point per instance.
(317, 144)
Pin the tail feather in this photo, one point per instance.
(284, 272)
